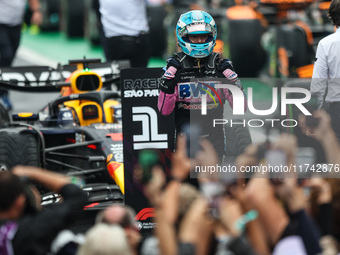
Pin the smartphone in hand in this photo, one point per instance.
(192, 133)
(147, 160)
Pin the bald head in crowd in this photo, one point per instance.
(105, 239)
(117, 214)
(124, 216)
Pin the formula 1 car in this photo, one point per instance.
(78, 134)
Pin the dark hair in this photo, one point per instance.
(334, 12)
(10, 188)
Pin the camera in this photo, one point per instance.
(213, 191)
(31, 200)
(312, 122)
(305, 158)
(275, 158)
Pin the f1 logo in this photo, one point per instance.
(150, 138)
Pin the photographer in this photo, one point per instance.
(24, 227)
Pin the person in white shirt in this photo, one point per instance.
(126, 29)
(11, 19)
(326, 72)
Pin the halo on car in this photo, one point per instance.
(84, 81)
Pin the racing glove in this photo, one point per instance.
(225, 66)
(169, 79)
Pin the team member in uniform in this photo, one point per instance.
(126, 29)
(196, 34)
(326, 72)
(11, 18)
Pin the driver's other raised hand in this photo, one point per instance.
(169, 80)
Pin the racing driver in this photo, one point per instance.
(191, 73)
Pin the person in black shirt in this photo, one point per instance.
(11, 20)
(24, 227)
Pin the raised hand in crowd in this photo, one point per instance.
(195, 230)
(324, 133)
(261, 197)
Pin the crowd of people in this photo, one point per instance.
(246, 215)
(257, 213)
